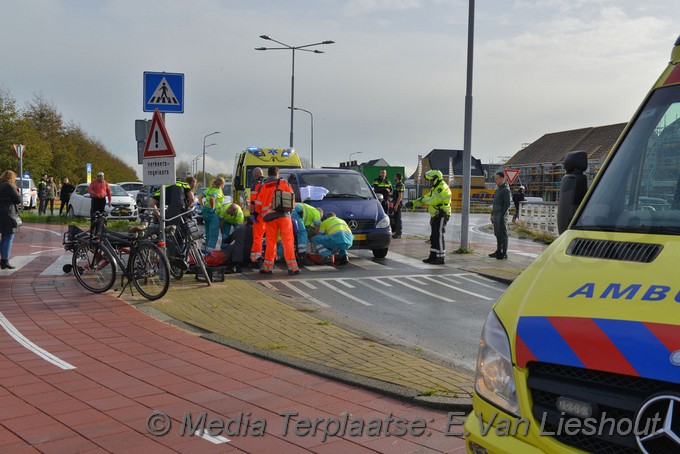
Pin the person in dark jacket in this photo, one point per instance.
(9, 199)
(42, 194)
(517, 197)
(499, 216)
(238, 244)
(65, 195)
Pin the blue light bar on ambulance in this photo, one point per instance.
(287, 152)
(256, 151)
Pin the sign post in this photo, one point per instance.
(19, 150)
(158, 161)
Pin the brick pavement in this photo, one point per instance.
(129, 365)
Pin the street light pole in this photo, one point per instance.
(208, 135)
(311, 116)
(292, 77)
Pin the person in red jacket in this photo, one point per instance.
(276, 223)
(99, 192)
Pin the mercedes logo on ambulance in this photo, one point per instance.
(657, 425)
(675, 358)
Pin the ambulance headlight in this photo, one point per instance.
(383, 223)
(495, 381)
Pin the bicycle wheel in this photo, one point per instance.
(150, 271)
(199, 261)
(94, 267)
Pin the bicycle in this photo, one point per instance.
(181, 242)
(97, 255)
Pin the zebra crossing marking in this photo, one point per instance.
(18, 263)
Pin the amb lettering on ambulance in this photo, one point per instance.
(248, 159)
(589, 334)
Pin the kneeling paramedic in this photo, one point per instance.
(438, 202)
(334, 237)
(231, 217)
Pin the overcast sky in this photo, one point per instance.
(392, 86)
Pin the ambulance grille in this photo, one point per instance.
(614, 250)
(617, 395)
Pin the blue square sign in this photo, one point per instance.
(164, 91)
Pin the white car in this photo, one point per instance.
(131, 187)
(29, 192)
(80, 202)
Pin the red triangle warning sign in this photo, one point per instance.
(158, 142)
(511, 175)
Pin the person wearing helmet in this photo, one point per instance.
(517, 197)
(438, 202)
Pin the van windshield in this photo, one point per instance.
(640, 189)
(339, 185)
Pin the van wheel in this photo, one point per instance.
(380, 253)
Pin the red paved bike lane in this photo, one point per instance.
(127, 365)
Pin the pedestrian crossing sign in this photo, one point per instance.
(164, 91)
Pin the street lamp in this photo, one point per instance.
(208, 135)
(352, 154)
(292, 77)
(194, 164)
(311, 116)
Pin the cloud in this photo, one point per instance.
(361, 7)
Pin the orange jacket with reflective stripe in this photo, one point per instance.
(265, 198)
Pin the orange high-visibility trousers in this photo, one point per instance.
(284, 226)
(258, 234)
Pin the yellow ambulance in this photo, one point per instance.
(251, 157)
(582, 352)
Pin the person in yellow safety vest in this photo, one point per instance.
(438, 202)
(307, 220)
(211, 200)
(334, 237)
(231, 217)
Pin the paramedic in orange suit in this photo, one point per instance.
(258, 223)
(276, 222)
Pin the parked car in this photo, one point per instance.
(80, 202)
(351, 198)
(131, 187)
(29, 192)
(142, 196)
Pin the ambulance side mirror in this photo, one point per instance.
(573, 188)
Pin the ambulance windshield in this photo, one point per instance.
(640, 189)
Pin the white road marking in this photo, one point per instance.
(477, 280)
(417, 289)
(412, 262)
(458, 289)
(43, 230)
(345, 294)
(366, 264)
(18, 262)
(303, 294)
(216, 439)
(377, 280)
(342, 281)
(385, 293)
(56, 268)
(308, 285)
(21, 339)
(525, 254)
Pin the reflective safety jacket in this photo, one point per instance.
(215, 193)
(310, 215)
(439, 199)
(332, 225)
(254, 189)
(265, 198)
(383, 187)
(175, 196)
(236, 218)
